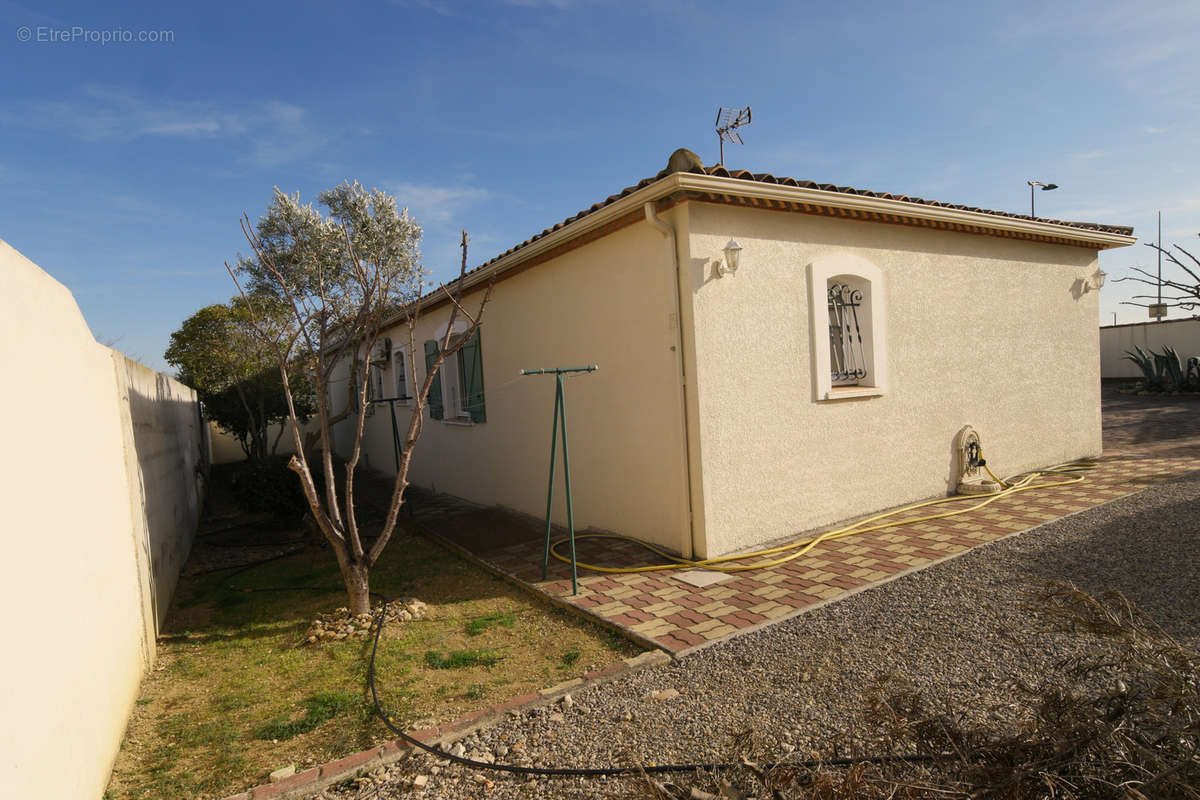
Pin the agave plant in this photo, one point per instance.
(1172, 366)
(1150, 366)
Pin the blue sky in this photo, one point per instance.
(125, 166)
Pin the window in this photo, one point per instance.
(375, 382)
(846, 304)
(457, 391)
(847, 365)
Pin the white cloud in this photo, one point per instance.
(1090, 155)
(277, 132)
(437, 205)
(561, 5)
(284, 133)
(105, 114)
(440, 8)
(1150, 129)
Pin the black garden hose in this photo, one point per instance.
(605, 771)
(554, 771)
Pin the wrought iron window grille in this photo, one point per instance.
(846, 358)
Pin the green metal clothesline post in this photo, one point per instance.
(391, 401)
(560, 412)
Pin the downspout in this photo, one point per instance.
(651, 212)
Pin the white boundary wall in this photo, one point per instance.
(1182, 334)
(101, 489)
(227, 450)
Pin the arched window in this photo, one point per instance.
(846, 305)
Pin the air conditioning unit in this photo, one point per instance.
(384, 350)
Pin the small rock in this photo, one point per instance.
(420, 781)
(283, 772)
(567, 701)
(482, 755)
(500, 750)
(458, 750)
(664, 694)
(556, 718)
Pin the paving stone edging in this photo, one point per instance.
(313, 780)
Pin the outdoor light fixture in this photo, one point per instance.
(1094, 283)
(1045, 188)
(733, 254)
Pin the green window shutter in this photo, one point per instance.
(471, 369)
(435, 390)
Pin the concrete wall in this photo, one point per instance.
(101, 497)
(1115, 340)
(612, 304)
(984, 331)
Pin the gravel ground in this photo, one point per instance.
(960, 631)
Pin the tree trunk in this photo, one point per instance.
(357, 578)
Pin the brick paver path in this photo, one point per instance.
(1147, 441)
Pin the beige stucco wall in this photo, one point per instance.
(226, 450)
(101, 498)
(1182, 334)
(612, 304)
(981, 330)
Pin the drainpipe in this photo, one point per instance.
(690, 546)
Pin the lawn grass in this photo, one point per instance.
(232, 697)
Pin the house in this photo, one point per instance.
(824, 378)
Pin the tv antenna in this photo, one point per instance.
(728, 121)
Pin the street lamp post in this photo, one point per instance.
(1045, 188)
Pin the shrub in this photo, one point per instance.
(269, 487)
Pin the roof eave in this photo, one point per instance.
(689, 181)
(795, 194)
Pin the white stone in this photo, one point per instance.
(283, 772)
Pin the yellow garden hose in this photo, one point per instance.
(1022, 482)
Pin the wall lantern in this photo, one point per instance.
(733, 254)
(1095, 282)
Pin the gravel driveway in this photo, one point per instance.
(959, 631)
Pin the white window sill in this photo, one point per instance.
(462, 422)
(845, 392)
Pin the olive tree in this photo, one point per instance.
(344, 274)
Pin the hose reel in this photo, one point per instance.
(972, 477)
